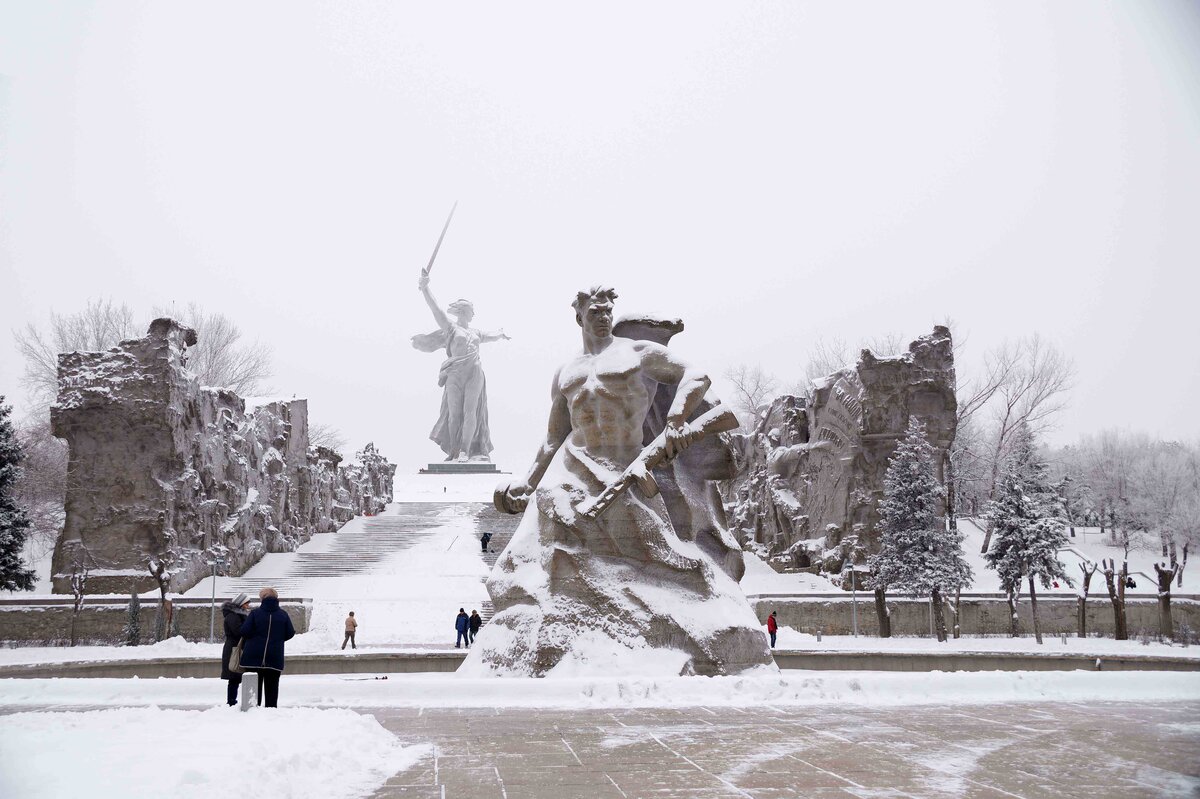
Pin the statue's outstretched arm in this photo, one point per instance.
(497, 336)
(438, 314)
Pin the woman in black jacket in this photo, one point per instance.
(265, 630)
(234, 614)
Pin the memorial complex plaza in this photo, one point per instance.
(544, 401)
(818, 733)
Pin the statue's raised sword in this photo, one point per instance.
(717, 420)
(438, 246)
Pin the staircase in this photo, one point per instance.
(353, 551)
(501, 526)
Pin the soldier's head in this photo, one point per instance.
(594, 310)
(463, 310)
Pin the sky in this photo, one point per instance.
(771, 173)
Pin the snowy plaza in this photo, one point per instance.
(599, 401)
(799, 733)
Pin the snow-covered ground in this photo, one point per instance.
(790, 639)
(447, 488)
(789, 688)
(408, 600)
(185, 754)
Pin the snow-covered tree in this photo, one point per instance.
(917, 554)
(14, 522)
(1028, 530)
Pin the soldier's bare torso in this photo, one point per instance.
(607, 399)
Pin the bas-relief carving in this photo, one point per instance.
(812, 473)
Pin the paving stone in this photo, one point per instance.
(1023, 750)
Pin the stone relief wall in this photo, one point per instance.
(166, 472)
(811, 475)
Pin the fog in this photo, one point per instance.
(771, 173)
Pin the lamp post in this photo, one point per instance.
(212, 610)
(854, 598)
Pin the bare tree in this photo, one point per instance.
(1089, 569)
(41, 486)
(99, 326)
(1115, 582)
(753, 390)
(82, 563)
(828, 355)
(326, 435)
(220, 357)
(1165, 573)
(1032, 378)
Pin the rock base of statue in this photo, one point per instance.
(617, 596)
(454, 467)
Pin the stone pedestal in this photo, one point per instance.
(461, 468)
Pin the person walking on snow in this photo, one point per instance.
(772, 627)
(351, 626)
(483, 541)
(474, 624)
(462, 623)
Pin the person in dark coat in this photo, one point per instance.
(462, 623)
(772, 627)
(234, 614)
(265, 630)
(474, 623)
(484, 540)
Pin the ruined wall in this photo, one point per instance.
(165, 471)
(811, 475)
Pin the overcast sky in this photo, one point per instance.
(771, 173)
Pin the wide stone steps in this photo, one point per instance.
(365, 547)
(355, 551)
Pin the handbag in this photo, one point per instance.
(235, 658)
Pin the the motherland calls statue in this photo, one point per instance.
(599, 577)
(462, 426)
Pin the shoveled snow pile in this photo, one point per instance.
(205, 753)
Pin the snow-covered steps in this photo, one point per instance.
(364, 545)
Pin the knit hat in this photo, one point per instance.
(241, 599)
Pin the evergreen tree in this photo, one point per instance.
(14, 522)
(917, 553)
(1028, 530)
(132, 633)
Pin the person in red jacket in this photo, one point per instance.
(772, 627)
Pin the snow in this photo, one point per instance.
(448, 488)
(408, 599)
(254, 403)
(204, 753)
(1087, 544)
(865, 688)
(619, 663)
(789, 639)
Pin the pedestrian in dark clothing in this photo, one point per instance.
(475, 622)
(265, 630)
(772, 627)
(462, 624)
(233, 614)
(484, 540)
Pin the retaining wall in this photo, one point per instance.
(102, 620)
(979, 616)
